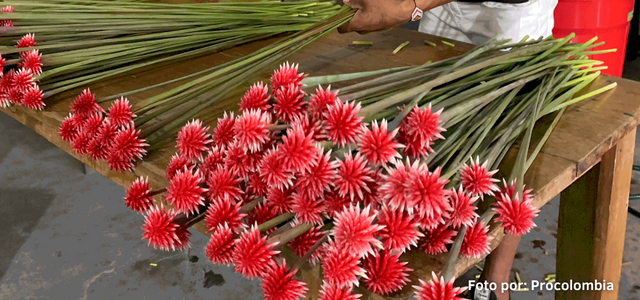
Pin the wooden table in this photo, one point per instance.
(588, 158)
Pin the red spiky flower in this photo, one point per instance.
(438, 289)
(507, 191)
(255, 98)
(255, 185)
(239, 162)
(31, 61)
(92, 124)
(252, 129)
(315, 181)
(163, 231)
(335, 203)
(272, 171)
(4, 99)
(223, 134)
(332, 292)
(475, 178)
(393, 189)
(340, 266)
(310, 125)
(127, 145)
(138, 196)
(414, 148)
(285, 76)
(278, 283)
(422, 125)
(29, 40)
(462, 208)
(100, 147)
(80, 144)
(399, 231)
(222, 212)
(23, 80)
(252, 255)
(352, 176)
(426, 191)
(219, 249)
(32, 98)
(307, 209)
(280, 200)
(193, 139)
(15, 95)
(184, 191)
(342, 123)
(435, 240)
(320, 101)
(385, 272)
(297, 150)
(476, 241)
(6, 81)
(303, 243)
(85, 104)
(213, 160)
(377, 145)
(516, 216)
(68, 129)
(354, 230)
(176, 163)
(119, 113)
(289, 103)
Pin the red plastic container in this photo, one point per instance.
(606, 19)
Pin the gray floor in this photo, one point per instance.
(66, 235)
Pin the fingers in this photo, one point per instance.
(355, 4)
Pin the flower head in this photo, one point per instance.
(385, 272)
(426, 191)
(278, 283)
(127, 145)
(80, 144)
(354, 230)
(224, 212)
(399, 231)
(256, 98)
(219, 249)
(303, 243)
(297, 150)
(184, 191)
(255, 185)
(315, 181)
(251, 129)
(285, 76)
(138, 196)
(223, 135)
(335, 203)
(23, 80)
(342, 123)
(475, 179)
(31, 61)
(29, 40)
(213, 160)
(476, 241)
(100, 147)
(272, 171)
(516, 216)
(280, 200)
(340, 266)
(352, 176)
(193, 139)
(422, 125)
(252, 255)
(161, 229)
(176, 163)
(120, 112)
(307, 209)
(85, 104)
(15, 95)
(239, 162)
(320, 101)
(32, 98)
(435, 240)
(289, 103)
(507, 191)
(438, 289)
(377, 145)
(462, 208)
(332, 292)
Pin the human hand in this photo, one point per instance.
(375, 15)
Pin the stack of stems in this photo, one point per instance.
(83, 42)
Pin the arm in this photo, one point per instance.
(374, 15)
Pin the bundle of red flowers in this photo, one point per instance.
(19, 85)
(279, 172)
(103, 135)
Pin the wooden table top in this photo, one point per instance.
(584, 133)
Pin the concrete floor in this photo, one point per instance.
(67, 235)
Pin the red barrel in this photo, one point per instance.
(606, 19)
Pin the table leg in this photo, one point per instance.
(591, 225)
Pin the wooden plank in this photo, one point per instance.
(592, 221)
